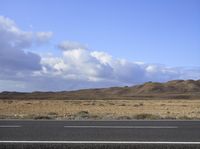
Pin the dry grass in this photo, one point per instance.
(100, 109)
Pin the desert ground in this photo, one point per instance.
(177, 99)
(100, 109)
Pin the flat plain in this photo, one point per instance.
(178, 99)
(100, 109)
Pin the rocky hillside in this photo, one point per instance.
(176, 89)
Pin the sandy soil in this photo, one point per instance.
(100, 109)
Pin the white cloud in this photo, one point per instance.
(78, 63)
(102, 57)
(13, 44)
(70, 45)
(16, 62)
(77, 67)
(11, 36)
(43, 37)
(82, 65)
(13, 41)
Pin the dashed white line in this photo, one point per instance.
(9, 126)
(125, 127)
(99, 142)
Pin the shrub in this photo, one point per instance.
(146, 116)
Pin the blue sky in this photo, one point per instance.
(159, 33)
(155, 31)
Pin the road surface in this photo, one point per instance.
(99, 131)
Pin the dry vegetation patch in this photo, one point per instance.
(100, 109)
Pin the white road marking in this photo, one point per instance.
(9, 126)
(99, 142)
(125, 127)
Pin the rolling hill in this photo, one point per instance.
(176, 89)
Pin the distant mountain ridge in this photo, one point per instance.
(178, 89)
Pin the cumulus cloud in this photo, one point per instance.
(70, 45)
(77, 67)
(43, 37)
(16, 62)
(13, 41)
(78, 64)
(11, 36)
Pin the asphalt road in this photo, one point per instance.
(152, 131)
